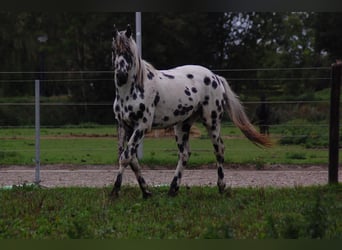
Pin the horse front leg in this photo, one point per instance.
(118, 182)
(124, 133)
(142, 183)
(129, 157)
(121, 138)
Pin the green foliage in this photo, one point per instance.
(198, 212)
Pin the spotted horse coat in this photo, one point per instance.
(147, 98)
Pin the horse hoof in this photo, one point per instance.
(222, 188)
(172, 193)
(114, 194)
(147, 194)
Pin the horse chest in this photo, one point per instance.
(132, 111)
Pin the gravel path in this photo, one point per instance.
(100, 176)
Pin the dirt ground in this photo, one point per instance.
(101, 176)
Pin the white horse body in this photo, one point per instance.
(171, 92)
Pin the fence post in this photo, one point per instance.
(140, 150)
(334, 122)
(37, 127)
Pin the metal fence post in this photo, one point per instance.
(334, 122)
(37, 127)
(140, 150)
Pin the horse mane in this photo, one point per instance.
(143, 67)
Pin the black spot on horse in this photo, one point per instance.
(169, 76)
(174, 187)
(207, 80)
(216, 147)
(128, 56)
(133, 151)
(176, 112)
(194, 90)
(214, 84)
(156, 99)
(121, 79)
(187, 92)
(166, 118)
(132, 116)
(213, 114)
(139, 114)
(137, 135)
(142, 107)
(206, 100)
(117, 108)
(188, 109)
(220, 172)
(190, 76)
(122, 63)
(180, 147)
(126, 154)
(218, 105)
(141, 181)
(150, 75)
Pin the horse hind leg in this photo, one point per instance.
(214, 133)
(182, 132)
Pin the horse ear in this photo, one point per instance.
(114, 32)
(128, 31)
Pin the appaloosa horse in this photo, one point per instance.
(147, 98)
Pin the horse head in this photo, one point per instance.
(124, 54)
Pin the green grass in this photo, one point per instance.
(198, 212)
(98, 145)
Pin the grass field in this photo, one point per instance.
(198, 212)
(98, 145)
(29, 212)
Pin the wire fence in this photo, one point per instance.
(59, 83)
(78, 97)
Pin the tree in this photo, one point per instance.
(173, 39)
(328, 34)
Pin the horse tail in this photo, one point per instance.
(240, 119)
